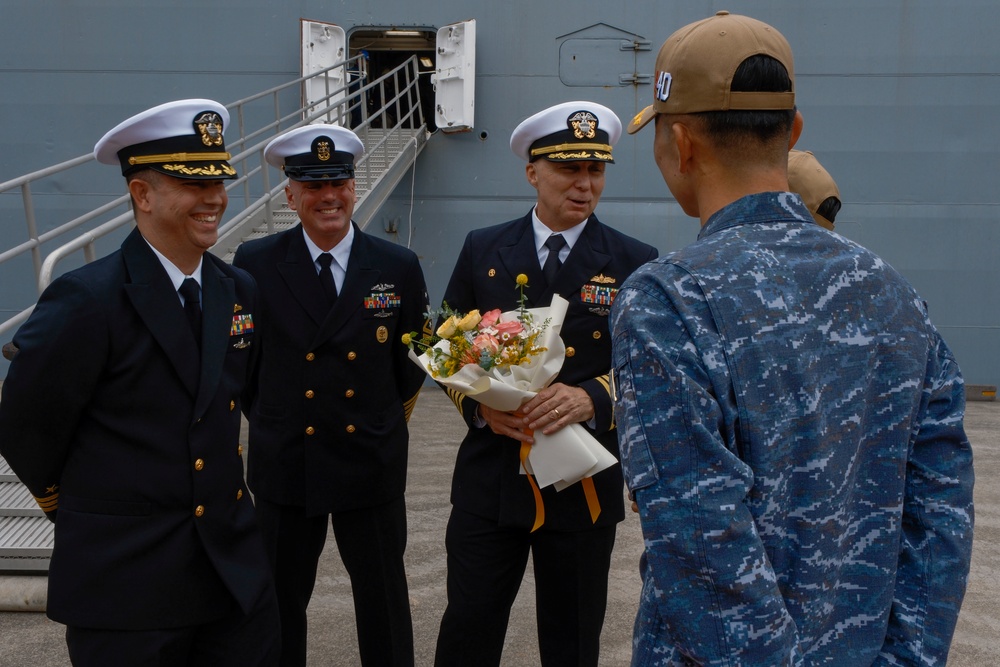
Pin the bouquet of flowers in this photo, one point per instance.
(503, 360)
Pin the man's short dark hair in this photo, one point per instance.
(755, 74)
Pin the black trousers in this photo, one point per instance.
(236, 640)
(371, 542)
(485, 566)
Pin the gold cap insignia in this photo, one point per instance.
(209, 126)
(583, 124)
(323, 150)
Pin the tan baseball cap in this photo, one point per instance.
(696, 65)
(809, 180)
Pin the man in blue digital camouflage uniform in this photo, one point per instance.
(790, 421)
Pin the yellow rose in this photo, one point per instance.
(470, 321)
(448, 329)
(407, 339)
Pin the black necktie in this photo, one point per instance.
(192, 305)
(554, 243)
(326, 277)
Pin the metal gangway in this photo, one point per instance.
(384, 112)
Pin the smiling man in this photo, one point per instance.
(562, 248)
(328, 410)
(121, 414)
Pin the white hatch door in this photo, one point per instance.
(323, 45)
(455, 77)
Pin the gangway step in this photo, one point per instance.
(26, 536)
(16, 500)
(26, 543)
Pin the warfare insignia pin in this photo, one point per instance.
(209, 127)
(603, 279)
(237, 308)
(583, 124)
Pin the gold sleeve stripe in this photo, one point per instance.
(456, 398)
(48, 503)
(605, 381)
(409, 405)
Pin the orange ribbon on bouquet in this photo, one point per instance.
(589, 490)
(539, 505)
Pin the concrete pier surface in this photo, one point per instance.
(30, 639)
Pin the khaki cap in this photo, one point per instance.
(696, 65)
(808, 179)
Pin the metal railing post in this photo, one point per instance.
(29, 218)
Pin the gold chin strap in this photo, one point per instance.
(544, 150)
(177, 157)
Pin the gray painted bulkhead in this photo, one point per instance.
(900, 101)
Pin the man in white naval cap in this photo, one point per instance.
(496, 520)
(121, 413)
(328, 411)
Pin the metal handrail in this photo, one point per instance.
(339, 104)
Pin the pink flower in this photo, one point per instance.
(485, 342)
(510, 329)
(489, 319)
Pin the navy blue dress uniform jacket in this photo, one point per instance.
(486, 481)
(334, 390)
(108, 417)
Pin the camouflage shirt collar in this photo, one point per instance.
(763, 207)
